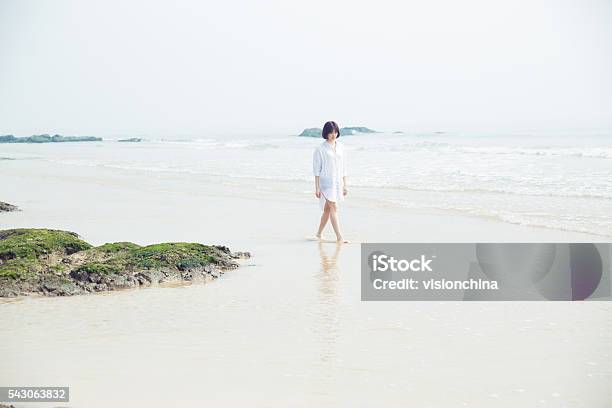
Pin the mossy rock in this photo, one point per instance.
(180, 255)
(97, 267)
(130, 256)
(59, 263)
(117, 247)
(22, 250)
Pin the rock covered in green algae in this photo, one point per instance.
(59, 263)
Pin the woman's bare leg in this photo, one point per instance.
(333, 215)
(324, 218)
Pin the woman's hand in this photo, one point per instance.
(345, 191)
(318, 192)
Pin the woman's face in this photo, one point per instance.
(332, 136)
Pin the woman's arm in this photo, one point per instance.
(344, 172)
(317, 165)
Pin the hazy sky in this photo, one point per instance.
(192, 67)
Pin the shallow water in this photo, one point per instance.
(281, 331)
(557, 180)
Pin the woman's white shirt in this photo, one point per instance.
(330, 166)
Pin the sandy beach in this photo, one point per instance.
(288, 327)
(158, 215)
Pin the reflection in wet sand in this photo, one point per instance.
(327, 285)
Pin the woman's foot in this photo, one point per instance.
(314, 238)
(341, 240)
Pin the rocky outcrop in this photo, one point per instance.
(4, 207)
(59, 263)
(48, 139)
(131, 140)
(316, 132)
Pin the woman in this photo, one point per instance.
(329, 169)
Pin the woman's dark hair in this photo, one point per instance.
(329, 127)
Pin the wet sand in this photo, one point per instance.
(288, 328)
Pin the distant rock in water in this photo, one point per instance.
(316, 132)
(398, 131)
(59, 263)
(4, 207)
(131, 140)
(48, 139)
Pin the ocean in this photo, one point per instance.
(560, 181)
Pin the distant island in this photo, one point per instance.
(131, 140)
(48, 139)
(316, 132)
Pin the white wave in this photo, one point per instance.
(590, 224)
(551, 151)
